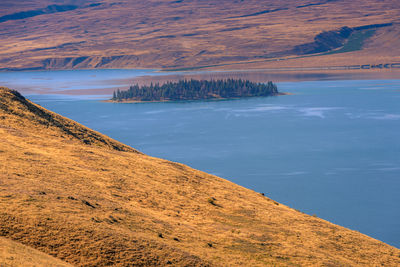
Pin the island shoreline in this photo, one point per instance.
(188, 100)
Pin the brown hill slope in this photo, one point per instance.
(92, 203)
(15, 254)
(169, 34)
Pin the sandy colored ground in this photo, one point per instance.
(16, 254)
(179, 34)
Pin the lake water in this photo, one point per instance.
(331, 149)
(84, 83)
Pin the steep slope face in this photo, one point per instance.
(29, 111)
(42, 34)
(93, 204)
(15, 254)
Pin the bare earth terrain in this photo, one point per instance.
(226, 34)
(86, 199)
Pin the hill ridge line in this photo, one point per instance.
(51, 119)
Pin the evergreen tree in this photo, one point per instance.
(195, 90)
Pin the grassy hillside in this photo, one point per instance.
(15, 254)
(88, 200)
(41, 34)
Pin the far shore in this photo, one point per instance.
(123, 83)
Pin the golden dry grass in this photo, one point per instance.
(88, 200)
(169, 34)
(15, 254)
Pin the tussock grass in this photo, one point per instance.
(186, 34)
(15, 254)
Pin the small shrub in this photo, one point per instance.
(212, 201)
(87, 203)
(96, 220)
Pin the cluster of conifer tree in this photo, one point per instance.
(195, 90)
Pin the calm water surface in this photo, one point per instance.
(69, 81)
(332, 149)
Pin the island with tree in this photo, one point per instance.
(185, 90)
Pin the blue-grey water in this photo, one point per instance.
(65, 81)
(331, 149)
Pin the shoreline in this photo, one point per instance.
(123, 82)
(220, 68)
(188, 100)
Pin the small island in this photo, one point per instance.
(186, 90)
